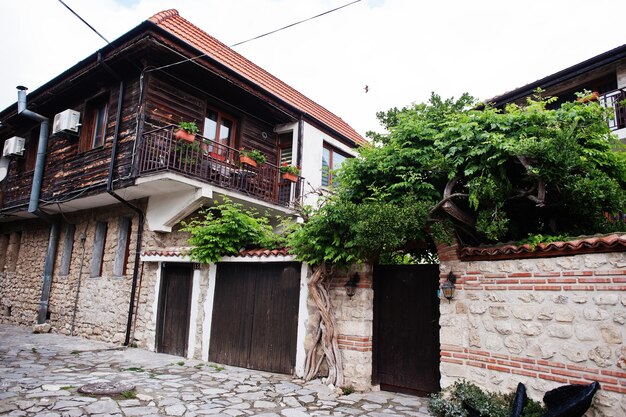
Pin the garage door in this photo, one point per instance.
(255, 315)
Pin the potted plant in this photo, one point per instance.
(186, 131)
(251, 157)
(290, 172)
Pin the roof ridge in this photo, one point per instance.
(171, 21)
(164, 15)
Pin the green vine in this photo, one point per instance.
(227, 228)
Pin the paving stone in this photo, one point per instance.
(32, 385)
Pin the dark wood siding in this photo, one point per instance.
(69, 172)
(406, 328)
(255, 316)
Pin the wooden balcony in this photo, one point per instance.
(216, 164)
(615, 100)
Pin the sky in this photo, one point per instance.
(401, 49)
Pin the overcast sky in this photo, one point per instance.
(401, 49)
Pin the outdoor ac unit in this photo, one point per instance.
(67, 121)
(14, 146)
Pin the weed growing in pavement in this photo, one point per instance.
(181, 363)
(347, 390)
(34, 350)
(128, 395)
(67, 387)
(75, 352)
(199, 366)
(133, 369)
(217, 368)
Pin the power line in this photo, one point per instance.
(83, 20)
(257, 37)
(294, 24)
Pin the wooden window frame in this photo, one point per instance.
(123, 246)
(68, 248)
(220, 116)
(89, 123)
(332, 150)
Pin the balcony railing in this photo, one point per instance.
(614, 99)
(215, 163)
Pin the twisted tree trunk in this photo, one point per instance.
(325, 346)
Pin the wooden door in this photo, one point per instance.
(255, 315)
(174, 308)
(406, 328)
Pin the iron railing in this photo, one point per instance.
(614, 99)
(215, 163)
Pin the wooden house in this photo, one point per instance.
(94, 182)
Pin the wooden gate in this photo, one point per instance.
(255, 315)
(174, 308)
(406, 328)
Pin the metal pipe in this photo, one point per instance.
(140, 215)
(33, 204)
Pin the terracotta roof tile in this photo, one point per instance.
(171, 21)
(178, 252)
(592, 244)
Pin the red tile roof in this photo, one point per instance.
(593, 244)
(179, 252)
(172, 22)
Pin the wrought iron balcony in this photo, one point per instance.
(216, 164)
(615, 99)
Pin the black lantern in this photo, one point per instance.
(352, 284)
(447, 288)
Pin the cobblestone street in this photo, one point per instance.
(40, 375)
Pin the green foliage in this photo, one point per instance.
(502, 160)
(189, 127)
(128, 395)
(347, 390)
(289, 169)
(225, 229)
(534, 240)
(449, 402)
(343, 231)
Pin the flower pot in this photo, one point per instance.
(183, 135)
(247, 160)
(290, 177)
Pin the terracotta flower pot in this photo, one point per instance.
(290, 177)
(247, 160)
(180, 134)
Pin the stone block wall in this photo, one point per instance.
(544, 322)
(100, 305)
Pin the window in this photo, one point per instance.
(31, 149)
(98, 250)
(121, 253)
(68, 247)
(219, 128)
(331, 161)
(93, 132)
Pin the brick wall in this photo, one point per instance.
(544, 322)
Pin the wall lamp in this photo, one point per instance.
(352, 284)
(448, 288)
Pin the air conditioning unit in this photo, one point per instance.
(66, 122)
(14, 146)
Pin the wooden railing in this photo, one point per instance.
(613, 99)
(216, 164)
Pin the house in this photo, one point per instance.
(94, 184)
(603, 75)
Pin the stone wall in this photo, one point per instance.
(544, 322)
(95, 308)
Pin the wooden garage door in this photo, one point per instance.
(406, 328)
(174, 308)
(255, 315)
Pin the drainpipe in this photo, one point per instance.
(300, 140)
(140, 215)
(33, 204)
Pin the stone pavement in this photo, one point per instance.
(40, 375)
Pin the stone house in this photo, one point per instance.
(94, 183)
